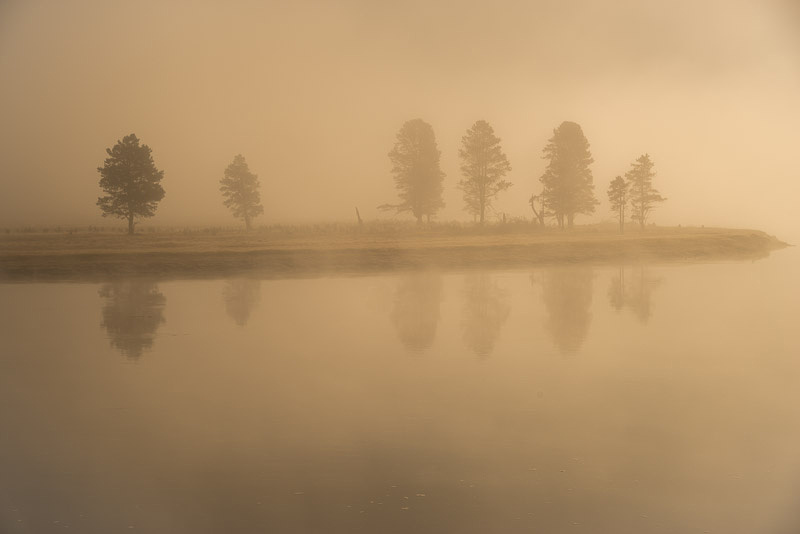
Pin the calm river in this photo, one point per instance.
(657, 398)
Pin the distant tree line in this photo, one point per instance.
(567, 183)
(132, 182)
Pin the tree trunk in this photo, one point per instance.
(429, 219)
(570, 219)
(641, 206)
(130, 224)
(539, 216)
(247, 224)
(482, 210)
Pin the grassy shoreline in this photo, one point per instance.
(98, 256)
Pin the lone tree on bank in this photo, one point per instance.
(618, 197)
(642, 194)
(131, 181)
(239, 188)
(483, 165)
(417, 175)
(568, 187)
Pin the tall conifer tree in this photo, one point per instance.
(417, 175)
(642, 194)
(618, 197)
(131, 181)
(483, 165)
(568, 183)
(239, 188)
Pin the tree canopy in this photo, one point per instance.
(483, 165)
(240, 193)
(417, 175)
(568, 187)
(131, 181)
(642, 194)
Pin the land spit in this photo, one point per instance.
(98, 256)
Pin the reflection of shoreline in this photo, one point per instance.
(415, 314)
(241, 296)
(567, 295)
(132, 313)
(486, 309)
(633, 292)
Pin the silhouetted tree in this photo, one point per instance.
(567, 294)
(132, 313)
(241, 296)
(640, 183)
(131, 181)
(568, 183)
(415, 167)
(483, 165)
(485, 312)
(239, 188)
(618, 197)
(416, 310)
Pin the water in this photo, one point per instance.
(635, 398)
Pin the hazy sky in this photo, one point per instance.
(313, 93)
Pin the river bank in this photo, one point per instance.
(97, 256)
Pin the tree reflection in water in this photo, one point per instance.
(567, 295)
(633, 292)
(132, 313)
(415, 314)
(241, 296)
(486, 309)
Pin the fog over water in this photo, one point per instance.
(313, 93)
(632, 398)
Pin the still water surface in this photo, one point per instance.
(613, 399)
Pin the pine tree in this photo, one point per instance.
(483, 166)
(618, 197)
(642, 194)
(568, 183)
(131, 181)
(239, 188)
(417, 175)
